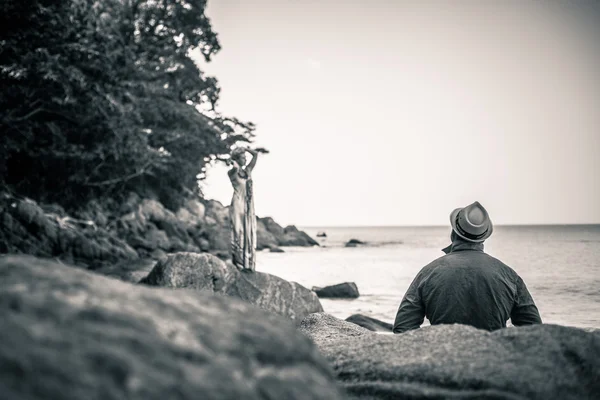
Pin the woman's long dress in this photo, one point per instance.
(243, 223)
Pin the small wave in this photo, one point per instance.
(363, 245)
(390, 243)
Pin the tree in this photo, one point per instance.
(101, 97)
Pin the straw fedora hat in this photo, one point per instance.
(472, 223)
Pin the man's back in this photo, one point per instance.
(468, 287)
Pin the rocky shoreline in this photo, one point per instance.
(135, 229)
(197, 325)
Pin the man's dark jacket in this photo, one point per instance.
(466, 286)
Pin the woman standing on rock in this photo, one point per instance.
(241, 211)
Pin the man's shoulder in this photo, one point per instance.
(477, 256)
(500, 264)
(438, 262)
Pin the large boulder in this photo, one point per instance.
(70, 334)
(192, 212)
(208, 273)
(295, 237)
(158, 239)
(217, 211)
(218, 236)
(372, 324)
(264, 238)
(289, 236)
(460, 362)
(346, 290)
(272, 227)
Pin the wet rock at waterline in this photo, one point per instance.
(355, 243)
(209, 273)
(346, 290)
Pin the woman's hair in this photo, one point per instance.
(236, 153)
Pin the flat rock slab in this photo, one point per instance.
(207, 272)
(460, 362)
(70, 334)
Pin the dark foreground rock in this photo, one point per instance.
(372, 324)
(69, 334)
(460, 362)
(208, 273)
(346, 290)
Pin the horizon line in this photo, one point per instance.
(448, 225)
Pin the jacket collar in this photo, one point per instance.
(459, 244)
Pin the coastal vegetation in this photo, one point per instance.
(103, 98)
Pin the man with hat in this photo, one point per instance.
(467, 286)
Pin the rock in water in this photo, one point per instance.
(273, 227)
(70, 334)
(346, 290)
(460, 362)
(295, 237)
(354, 243)
(207, 272)
(369, 323)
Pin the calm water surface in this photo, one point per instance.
(559, 264)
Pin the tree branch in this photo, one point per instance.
(121, 179)
(31, 114)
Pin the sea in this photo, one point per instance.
(559, 264)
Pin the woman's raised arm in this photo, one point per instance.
(252, 163)
(254, 153)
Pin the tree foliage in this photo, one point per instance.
(99, 98)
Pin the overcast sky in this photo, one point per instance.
(395, 112)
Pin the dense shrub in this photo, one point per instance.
(99, 98)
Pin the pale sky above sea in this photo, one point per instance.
(396, 112)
